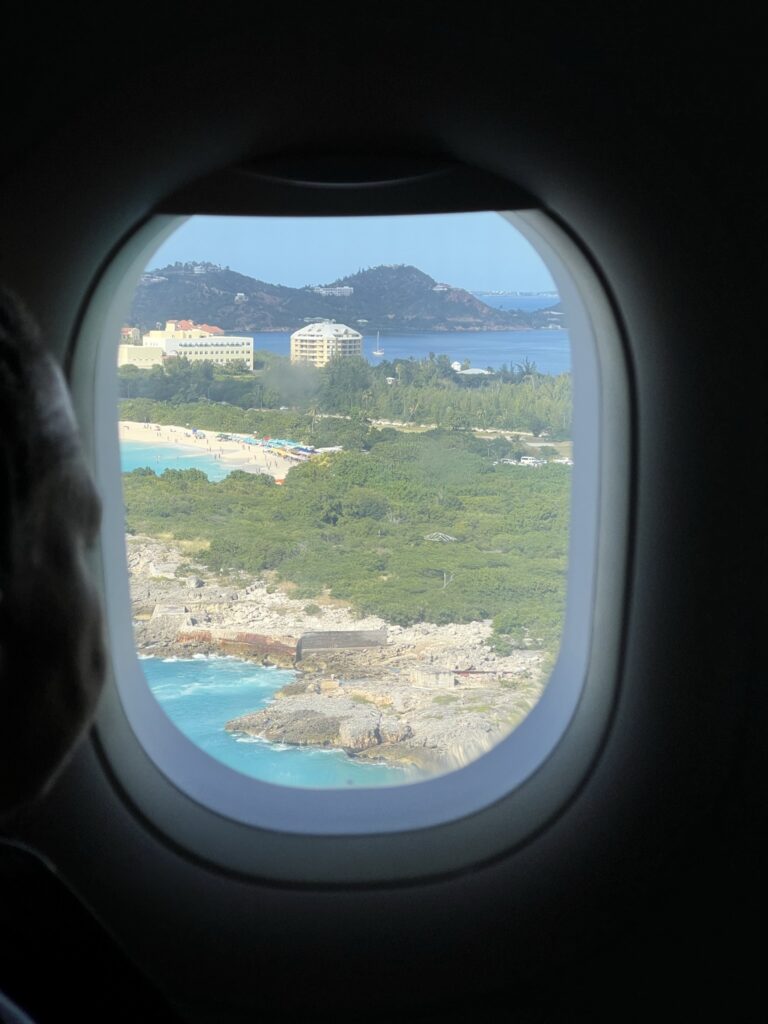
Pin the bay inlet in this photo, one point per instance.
(200, 694)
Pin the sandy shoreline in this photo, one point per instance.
(234, 454)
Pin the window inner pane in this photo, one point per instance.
(347, 456)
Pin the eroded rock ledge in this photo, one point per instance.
(431, 698)
(390, 720)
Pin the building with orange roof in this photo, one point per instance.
(201, 342)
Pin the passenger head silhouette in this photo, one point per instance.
(51, 639)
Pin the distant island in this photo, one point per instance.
(389, 299)
(505, 292)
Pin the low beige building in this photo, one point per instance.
(142, 356)
(320, 342)
(199, 342)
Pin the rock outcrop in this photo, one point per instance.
(390, 720)
(431, 698)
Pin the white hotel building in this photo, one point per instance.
(319, 343)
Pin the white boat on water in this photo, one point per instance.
(378, 351)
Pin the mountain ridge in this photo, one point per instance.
(391, 298)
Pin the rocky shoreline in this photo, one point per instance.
(431, 697)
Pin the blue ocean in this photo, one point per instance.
(202, 693)
(527, 303)
(550, 350)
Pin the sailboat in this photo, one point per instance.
(378, 351)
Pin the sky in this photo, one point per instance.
(475, 251)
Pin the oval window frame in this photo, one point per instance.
(278, 832)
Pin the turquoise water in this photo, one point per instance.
(202, 693)
(159, 457)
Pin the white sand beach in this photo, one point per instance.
(235, 453)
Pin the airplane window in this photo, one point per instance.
(356, 550)
(347, 536)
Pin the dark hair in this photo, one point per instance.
(51, 638)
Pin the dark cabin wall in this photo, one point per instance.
(644, 130)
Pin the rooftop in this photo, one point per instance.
(326, 329)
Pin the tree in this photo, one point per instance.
(342, 381)
(526, 370)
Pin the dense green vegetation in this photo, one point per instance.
(414, 527)
(406, 390)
